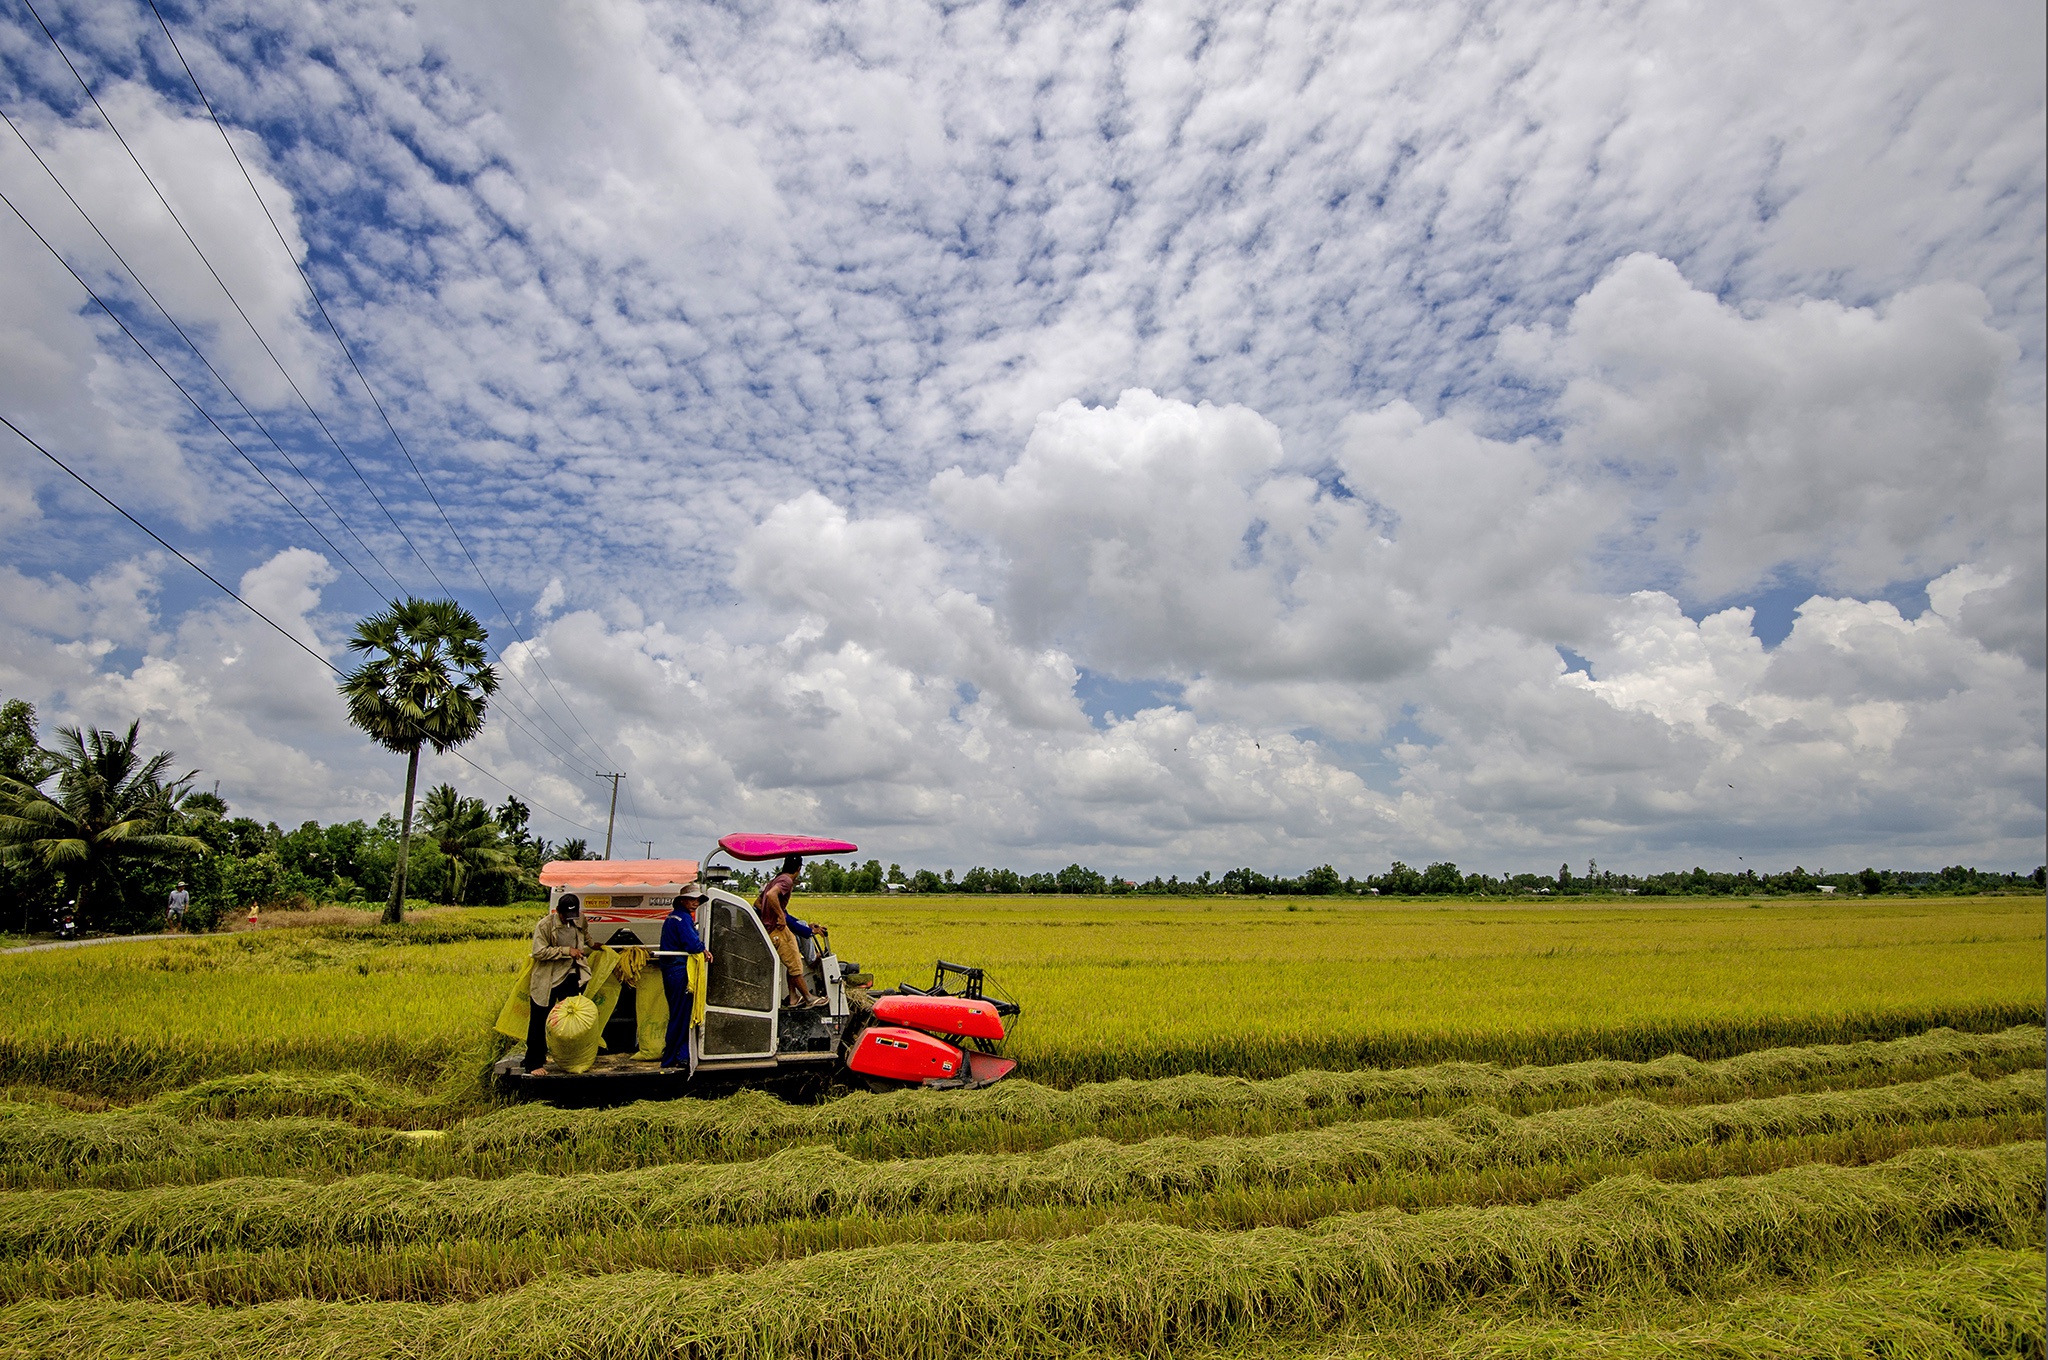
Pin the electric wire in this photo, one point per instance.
(510, 713)
(281, 630)
(191, 345)
(204, 259)
(363, 378)
(207, 415)
(633, 811)
(106, 117)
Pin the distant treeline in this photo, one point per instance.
(1437, 880)
(469, 854)
(147, 830)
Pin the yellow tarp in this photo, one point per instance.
(650, 1002)
(602, 989)
(512, 1015)
(608, 971)
(650, 1008)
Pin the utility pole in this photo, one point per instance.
(650, 848)
(614, 817)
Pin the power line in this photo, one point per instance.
(290, 381)
(151, 356)
(633, 807)
(281, 630)
(362, 377)
(150, 180)
(189, 344)
(510, 713)
(510, 709)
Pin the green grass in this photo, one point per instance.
(1111, 987)
(1143, 1286)
(456, 1268)
(1977, 1303)
(231, 1126)
(377, 1208)
(1356, 1129)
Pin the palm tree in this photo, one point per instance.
(426, 683)
(110, 806)
(468, 835)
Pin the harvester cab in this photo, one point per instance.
(940, 1037)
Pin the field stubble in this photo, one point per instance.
(1146, 1286)
(276, 1144)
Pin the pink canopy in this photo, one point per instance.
(767, 845)
(586, 874)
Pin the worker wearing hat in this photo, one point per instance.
(679, 940)
(560, 942)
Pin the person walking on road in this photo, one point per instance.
(679, 940)
(175, 912)
(560, 942)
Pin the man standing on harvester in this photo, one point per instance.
(679, 940)
(560, 942)
(772, 906)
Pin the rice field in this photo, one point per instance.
(1343, 1130)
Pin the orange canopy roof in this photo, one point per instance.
(617, 873)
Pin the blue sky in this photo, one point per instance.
(856, 406)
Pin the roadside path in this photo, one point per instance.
(97, 939)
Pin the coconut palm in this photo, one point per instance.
(426, 683)
(468, 835)
(111, 806)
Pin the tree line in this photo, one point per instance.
(93, 830)
(1436, 880)
(91, 827)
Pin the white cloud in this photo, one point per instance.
(852, 388)
(1167, 539)
(1860, 445)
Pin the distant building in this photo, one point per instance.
(1827, 887)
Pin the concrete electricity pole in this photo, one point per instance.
(614, 817)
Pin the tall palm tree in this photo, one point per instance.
(110, 806)
(468, 835)
(426, 683)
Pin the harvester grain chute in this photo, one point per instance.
(948, 1036)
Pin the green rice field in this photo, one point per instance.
(1243, 1128)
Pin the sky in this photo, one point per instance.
(1164, 436)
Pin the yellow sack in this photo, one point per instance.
(574, 1036)
(650, 1003)
(650, 1007)
(574, 1028)
(512, 1015)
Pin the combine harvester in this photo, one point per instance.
(949, 1037)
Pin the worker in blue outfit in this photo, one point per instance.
(679, 938)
